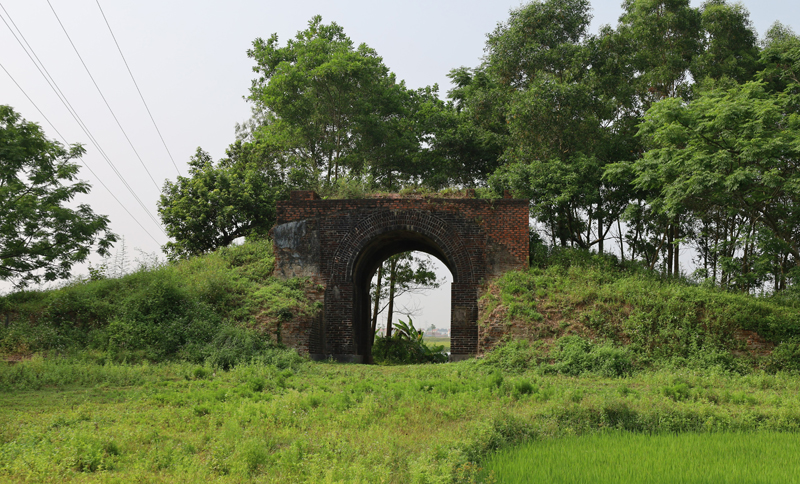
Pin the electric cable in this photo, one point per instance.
(102, 96)
(86, 165)
(137, 87)
(54, 86)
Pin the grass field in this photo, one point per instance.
(437, 341)
(622, 458)
(170, 374)
(289, 420)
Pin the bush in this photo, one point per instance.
(511, 356)
(574, 355)
(161, 317)
(785, 356)
(194, 310)
(395, 351)
(406, 347)
(232, 345)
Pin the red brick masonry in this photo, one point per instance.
(339, 244)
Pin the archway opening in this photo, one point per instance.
(395, 247)
(410, 293)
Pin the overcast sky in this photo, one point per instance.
(189, 60)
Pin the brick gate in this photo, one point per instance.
(339, 244)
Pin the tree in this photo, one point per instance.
(218, 203)
(658, 50)
(734, 148)
(400, 274)
(559, 125)
(663, 37)
(333, 109)
(41, 238)
(781, 60)
(729, 47)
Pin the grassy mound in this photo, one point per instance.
(588, 313)
(221, 308)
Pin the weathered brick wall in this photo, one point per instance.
(337, 242)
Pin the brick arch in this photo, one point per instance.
(440, 234)
(337, 243)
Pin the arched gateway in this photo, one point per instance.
(339, 245)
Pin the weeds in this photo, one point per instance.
(628, 319)
(223, 308)
(284, 419)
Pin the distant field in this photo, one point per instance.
(439, 341)
(622, 457)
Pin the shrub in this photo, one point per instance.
(232, 345)
(574, 355)
(785, 356)
(512, 355)
(406, 346)
(193, 310)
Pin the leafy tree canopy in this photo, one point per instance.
(40, 237)
(220, 202)
(333, 109)
(735, 147)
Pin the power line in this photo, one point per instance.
(137, 87)
(54, 86)
(102, 96)
(79, 158)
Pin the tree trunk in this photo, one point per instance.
(676, 266)
(723, 277)
(715, 255)
(391, 299)
(377, 304)
(670, 249)
(600, 234)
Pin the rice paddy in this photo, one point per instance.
(624, 457)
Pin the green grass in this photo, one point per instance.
(219, 308)
(437, 341)
(622, 457)
(658, 322)
(284, 419)
(169, 374)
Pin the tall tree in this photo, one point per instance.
(734, 147)
(333, 108)
(41, 238)
(560, 125)
(663, 38)
(780, 58)
(729, 44)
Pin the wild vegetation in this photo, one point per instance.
(603, 316)
(220, 308)
(675, 128)
(280, 418)
(216, 399)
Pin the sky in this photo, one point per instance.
(189, 61)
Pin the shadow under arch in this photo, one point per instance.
(377, 238)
